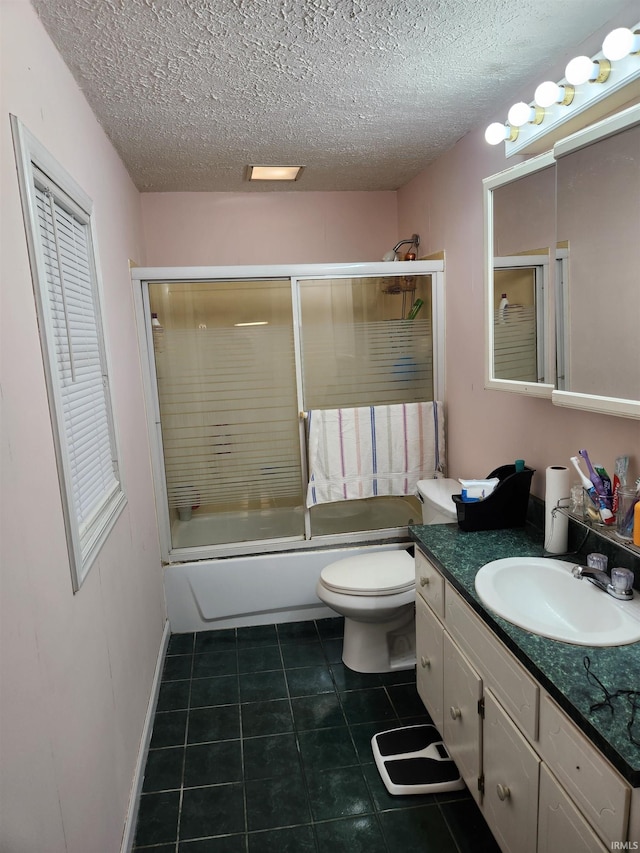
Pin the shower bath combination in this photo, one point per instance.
(233, 360)
(235, 356)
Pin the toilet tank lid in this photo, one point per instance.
(438, 492)
(380, 572)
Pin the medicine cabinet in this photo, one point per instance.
(570, 220)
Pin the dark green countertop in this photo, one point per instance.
(558, 667)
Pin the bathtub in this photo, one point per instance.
(258, 590)
(372, 514)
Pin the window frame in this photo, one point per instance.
(35, 166)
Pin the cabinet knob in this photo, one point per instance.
(503, 792)
(425, 662)
(424, 581)
(455, 713)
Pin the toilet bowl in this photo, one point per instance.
(376, 593)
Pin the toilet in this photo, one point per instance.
(375, 592)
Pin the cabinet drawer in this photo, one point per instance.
(429, 584)
(597, 789)
(560, 824)
(515, 689)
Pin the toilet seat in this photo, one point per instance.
(382, 573)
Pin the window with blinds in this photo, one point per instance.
(58, 222)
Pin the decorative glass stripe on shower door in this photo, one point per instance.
(225, 368)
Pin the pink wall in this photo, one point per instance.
(490, 428)
(77, 669)
(195, 229)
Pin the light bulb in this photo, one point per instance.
(583, 69)
(620, 43)
(497, 133)
(549, 93)
(521, 114)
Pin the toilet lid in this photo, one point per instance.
(383, 572)
(438, 493)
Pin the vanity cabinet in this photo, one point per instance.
(560, 824)
(430, 661)
(511, 774)
(540, 783)
(462, 730)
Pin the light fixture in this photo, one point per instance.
(274, 173)
(549, 93)
(533, 127)
(254, 323)
(393, 254)
(620, 43)
(583, 69)
(497, 133)
(521, 114)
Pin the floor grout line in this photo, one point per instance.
(341, 688)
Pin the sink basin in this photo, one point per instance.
(542, 596)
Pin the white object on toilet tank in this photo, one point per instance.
(437, 504)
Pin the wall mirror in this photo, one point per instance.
(598, 220)
(562, 241)
(520, 256)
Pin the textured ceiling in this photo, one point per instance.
(363, 93)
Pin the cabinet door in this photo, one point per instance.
(462, 723)
(429, 654)
(560, 824)
(429, 583)
(511, 772)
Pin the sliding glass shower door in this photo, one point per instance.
(226, 382)
(236, 362)
(365, 342)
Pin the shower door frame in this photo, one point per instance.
(295, 273)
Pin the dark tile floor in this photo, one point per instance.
(262, 742)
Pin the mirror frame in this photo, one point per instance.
(491, 382)
(610, 126)
(629, 408)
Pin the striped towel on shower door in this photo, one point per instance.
(373, 450)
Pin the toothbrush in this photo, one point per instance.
(595, 477)
(606, 483)
(605, 514)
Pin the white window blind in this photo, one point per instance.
(82, 379)
(67, 297)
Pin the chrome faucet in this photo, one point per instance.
(618, 584)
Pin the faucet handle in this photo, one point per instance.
(621, 579)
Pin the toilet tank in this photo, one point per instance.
(437, 504)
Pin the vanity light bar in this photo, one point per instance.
(588, 82)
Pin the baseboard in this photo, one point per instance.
(138, 776)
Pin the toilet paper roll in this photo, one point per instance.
(556, 525)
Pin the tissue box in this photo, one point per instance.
(475, 490)
(505, 507)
